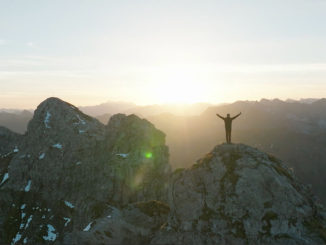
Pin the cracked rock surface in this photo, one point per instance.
(237, 194)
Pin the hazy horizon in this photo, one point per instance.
(160, 104)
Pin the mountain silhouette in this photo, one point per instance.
(73, 180)
(294, 131)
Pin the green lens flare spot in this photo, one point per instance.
(148, 155)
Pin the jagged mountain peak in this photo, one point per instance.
(237, 194)
(131, 128)
(55, 103)
(56, 115)
(69, 170)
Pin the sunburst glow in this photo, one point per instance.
(177, 85)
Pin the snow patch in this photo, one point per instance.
(41, 156)
(51, 235)
(82, 131)
(47, 119)
(23, 215)
(67, 221)
(69, 204)
(58, 146)
(88, 227)
(124, 155)
(16, 238)
(5, 177)
(28, 186)
(28, 221)
(78, 163)
(16, 149)
(23, 206)
(81, 121)
(25, 240)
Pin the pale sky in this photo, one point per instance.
(146, 52)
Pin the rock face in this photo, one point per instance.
(239, 195)
(72, 180)
(68, 169)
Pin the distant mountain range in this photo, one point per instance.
(15, 120)
(144, 111)
(294, 131)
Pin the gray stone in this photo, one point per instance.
(239, 195)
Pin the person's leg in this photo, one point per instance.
(230, 136)
(226, 136)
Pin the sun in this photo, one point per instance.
(178, 86)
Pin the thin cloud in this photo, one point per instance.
(30, 44)
(3, 42)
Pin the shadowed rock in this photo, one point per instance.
(70, 168)
(237, 194)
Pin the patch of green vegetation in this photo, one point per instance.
(11, 225)
(196, 165)
(153, 208)
(281, 170)
(194, 224)
(292, 221)
(108, 234)
(207, 213)
(268, 217)
(5, 160)
(178, 170)
(98, 209)
(230, 163)
(268, 204)
(280, 236)
(203, 161)
(240, 230)
(315, 225)
(273, 159)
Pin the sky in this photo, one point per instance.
(148, 52)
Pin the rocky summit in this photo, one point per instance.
(237, 194)
(72, 180)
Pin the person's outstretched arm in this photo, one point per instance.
(236, 116)
(220, 116)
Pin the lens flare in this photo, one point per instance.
(148, 155)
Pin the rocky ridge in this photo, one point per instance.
(72, 180)
(237, 194)
(69, 168)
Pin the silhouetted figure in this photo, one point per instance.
(228, 125)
